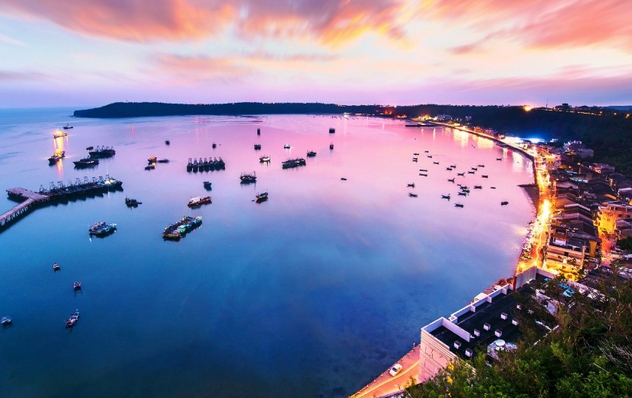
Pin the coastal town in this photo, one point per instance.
(582, 210)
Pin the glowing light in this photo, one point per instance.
(527, 108)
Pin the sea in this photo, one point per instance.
(312, 293)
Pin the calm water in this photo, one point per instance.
(312, 293)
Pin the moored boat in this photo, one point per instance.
(458, 205)
(261, 197)
(56, 267)
(264, 159)
(56, 156)
(291, 163)
(76, 285)
(67, 126)
(331, 146)
(132, 202)
(332, 130)
(102, 152)
(257, 147)
(6, 321)
(101, 228)
(286, 146)
(199, 201)
(207, 185)
(504, 203)
(86, 162)
(179, 229)
(311, 154)
(152, 159)
(248, 178)
(60, 134)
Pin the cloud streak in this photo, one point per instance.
(330, 22)
(543, 23)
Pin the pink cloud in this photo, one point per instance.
(329, 21)
(545, 23)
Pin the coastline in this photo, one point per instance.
(533, 193)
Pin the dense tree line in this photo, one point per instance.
(588, 355)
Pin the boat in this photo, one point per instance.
(89, 148)
(179, 229)
(416, 154)
(435, 162)
(445, 196)
(412, 195)
(481, 165)
(292, 163)
(429, 156)
(423, 174)
(262, 197)
(286, 146)
(463, 193)
(150, 167)
(332, 130)
(258, 131)
(207, 185)
(453, 166)
(214, 145)
(264, 159)
(167, 142)
(101, 228)
(132, 202)
(102, 152)
(86, 162)
(450, 179)
(474, 168)
(414, 159)
(411, 185)
(311, 154)
(74, 318)
(492, 187)
(56, 267)
(426, 151)
(448, 168)
(199, 201)
(56, 156)
(471, 172)
(478, 187)
(152, 159)
(458, 205)
(484, 176)
(60, 134)
(67, 126)
(499, 158)
(162, 160)
(257, 147)
(331, 146)
(461, 174)
(76, 285)
(6, 321)
(248, 178)
(423, 169)
(343, 178)
(504, 203)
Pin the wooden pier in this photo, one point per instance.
(29, 200)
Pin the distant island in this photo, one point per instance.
(607, 130)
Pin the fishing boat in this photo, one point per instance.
(199, 201)
(311, 154)
(257, 147)
(56, 156)
(343, 178)
(504, 203)
(484, 176)
(248, 178)
(132, 202)
(76, 285)
(499, 158)
(264, 159)
(60, 134)
(292, 163)
(150, 167)
(207, 185)
(423, 174)
(56, 267)
(101, 228)
(89, 148)
(67, 126)
(74, 318)
(286, 146)
(179, 229)
(332, 130)
(102, 152)
(461, 174)
(331, 146)
(214, 145)
(412, 195)
(414, 159)
(481, 165)
(86, 162)
(445, 196)
(262, 197)
(478, 187)
(258, 131)
(450, 179)
(458, 205)
(6, 321)
(435, 162)
(411, 185)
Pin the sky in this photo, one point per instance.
(391, 52)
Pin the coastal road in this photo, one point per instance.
(386, 384)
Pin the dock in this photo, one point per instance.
(59, 192)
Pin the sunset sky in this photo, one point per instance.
(93, 52)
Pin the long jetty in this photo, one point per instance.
(60, 192)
